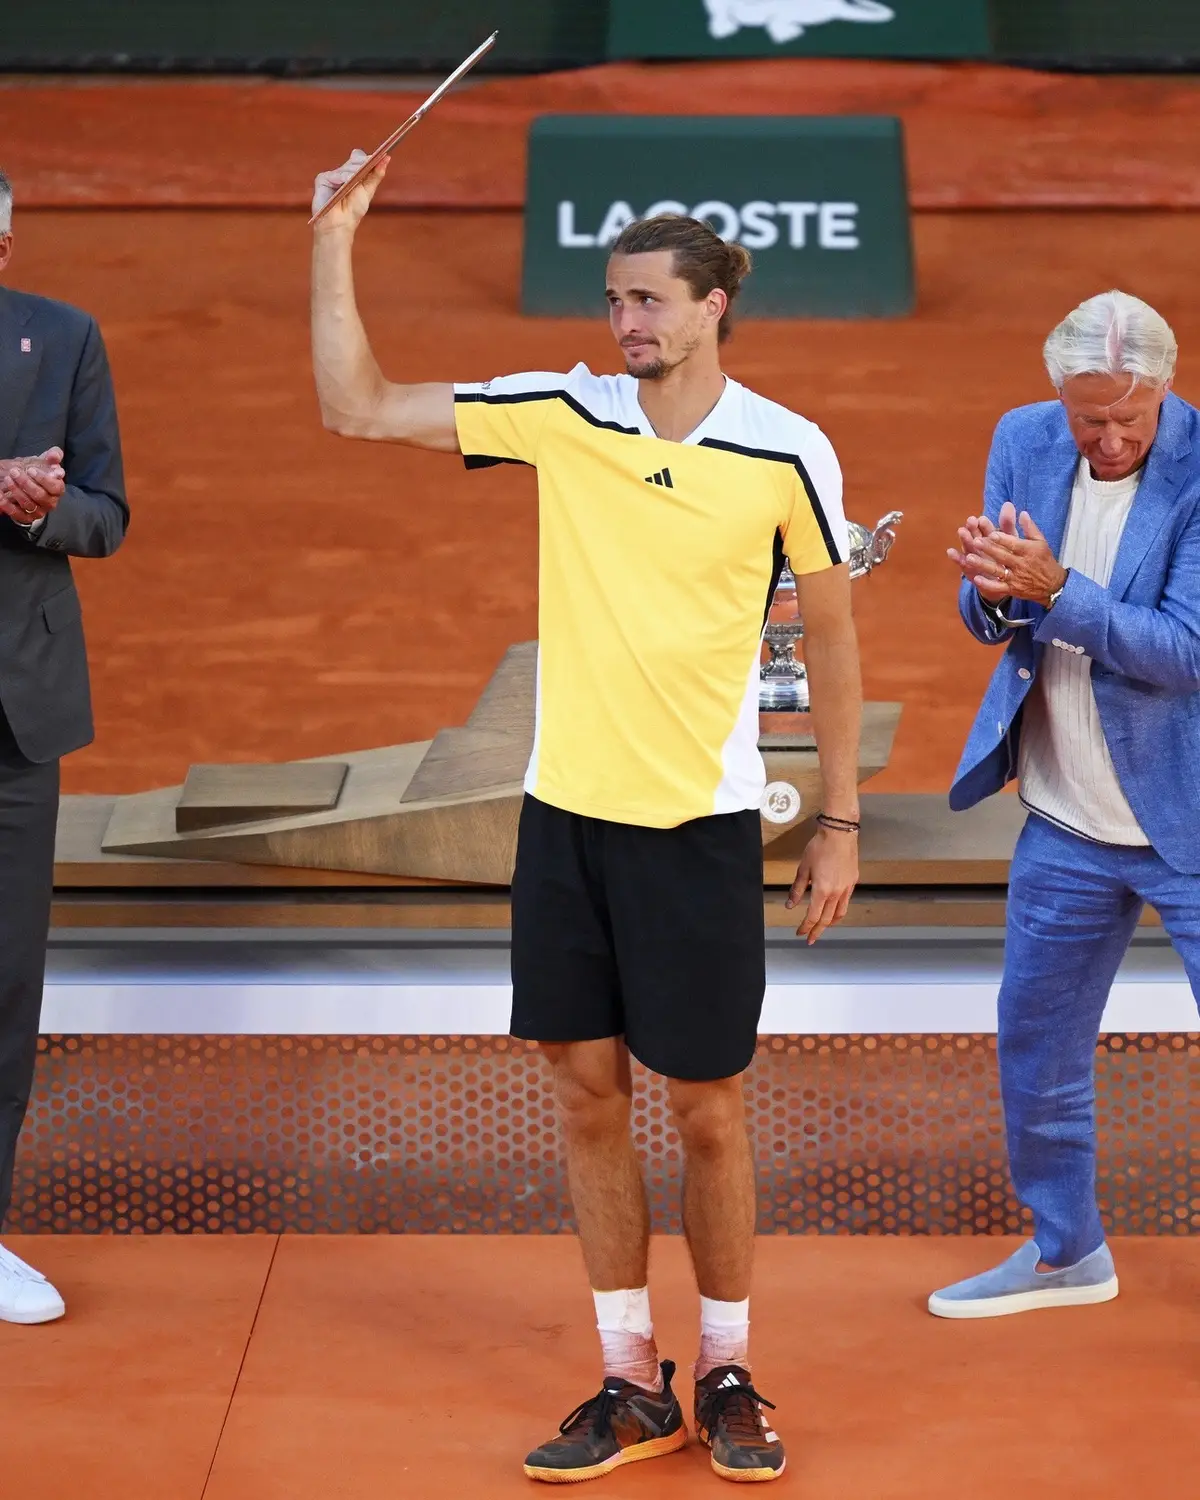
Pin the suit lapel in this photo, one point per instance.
(1050, 503)
(1156, 497)
(18, 370)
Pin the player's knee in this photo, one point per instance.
(588, 1116)
(591, 1102)
(710, 1117)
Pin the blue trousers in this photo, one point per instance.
(1072, 909)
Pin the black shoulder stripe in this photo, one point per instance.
(818, 510)
(505, 398)
(768, 453)
(488, 461)
(582, 411)
(514, 397)
(793, 461)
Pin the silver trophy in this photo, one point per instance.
(783, 682)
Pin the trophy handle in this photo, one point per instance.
(883, 538)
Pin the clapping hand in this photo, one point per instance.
(1004, 562)
(30, 487)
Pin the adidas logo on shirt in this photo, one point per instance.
(663, 477)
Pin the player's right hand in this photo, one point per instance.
(353, 206)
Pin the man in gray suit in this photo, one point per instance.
(62, 495)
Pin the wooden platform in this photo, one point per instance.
(922, 865)
(910, 840)
(445, 809)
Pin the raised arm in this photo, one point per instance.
(356, 400)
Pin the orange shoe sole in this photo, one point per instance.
(740, 1476)
(655, 1448)
(748, 1476)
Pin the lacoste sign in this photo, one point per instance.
(826, 28)
(785, 20)
(820, 202)
(758, 225)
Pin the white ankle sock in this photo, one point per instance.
(724, 1335)
(627, 1337)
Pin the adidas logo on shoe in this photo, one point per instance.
(663, 477)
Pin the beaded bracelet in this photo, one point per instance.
(838, 825)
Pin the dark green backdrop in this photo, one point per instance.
(1104, 33)
(385, 34)
(539, 34)
(822, 204)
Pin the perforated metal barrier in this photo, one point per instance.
(852, 1135)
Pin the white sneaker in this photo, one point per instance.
(25, 1294)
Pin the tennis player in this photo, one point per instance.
(669, 496)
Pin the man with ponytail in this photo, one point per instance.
(669, 497)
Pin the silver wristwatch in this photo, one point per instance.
(997, 614)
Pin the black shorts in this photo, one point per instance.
(653, 934)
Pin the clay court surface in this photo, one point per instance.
(978, 136)
(284, 593)
(308, 1368)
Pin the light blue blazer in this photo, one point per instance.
(1142, 632)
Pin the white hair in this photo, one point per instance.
(1112, 334)
(5, 204)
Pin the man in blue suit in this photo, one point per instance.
(1085, 566)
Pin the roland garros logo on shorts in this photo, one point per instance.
(780, 802)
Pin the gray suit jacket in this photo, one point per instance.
(55, 391)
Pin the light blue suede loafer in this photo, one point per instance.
(1016, 1286)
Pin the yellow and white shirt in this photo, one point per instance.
(658, 561)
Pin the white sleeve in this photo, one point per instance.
(816, 535)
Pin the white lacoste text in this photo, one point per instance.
(758, 225)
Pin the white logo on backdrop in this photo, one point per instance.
(785, 20)
(758, 225)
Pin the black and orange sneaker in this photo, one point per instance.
(729, 1421)
(621, 1425)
